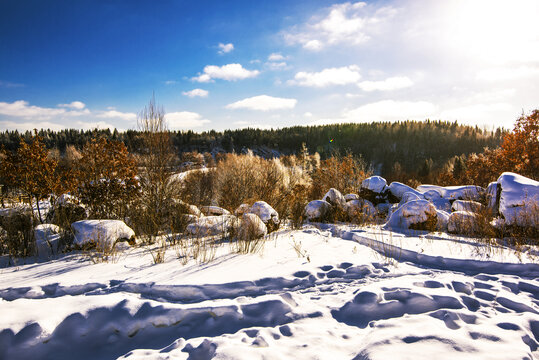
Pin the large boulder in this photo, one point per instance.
(102, 233)
(214, 211)
(349, 197)
(397, 190)
(374, 189)
(463, 222)
(47, 238)
(464, 192)
(212, 225)
(242, 209)
(361, 210)
(317, 210)
(519, 200)
(265, 212)
(415, 214)
(251, 227)
(467, 205)
(335, 198)
(442, 220)
(493, 197)
(410, 196)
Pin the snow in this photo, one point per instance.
(375, 184)
(349, 197)
(350, 292)
(412, 214)
(102, 232)
(519, 199)
(251, 227)
(317, 209)
(265, 212)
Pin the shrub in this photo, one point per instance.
(17, 233)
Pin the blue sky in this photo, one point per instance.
(232, 64)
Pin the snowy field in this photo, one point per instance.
(323, 292)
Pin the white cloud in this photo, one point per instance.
(308, 114)
(21, 108)
(276, 65)
(332, 76)
(347, 23)
(79, 105)
(196, 92)
(229, 72)
(392, 83)
(263, 103)
(225, 48)
(111, 114)
(276, 57)
(185, 120)
(480, 113)
(170, 82)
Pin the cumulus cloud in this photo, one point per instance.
(392, 83)
(332, 76)
(196, 92)
(225, 48)
(114, 114)
(229, 72)
(21, 108)
(347, 23)
(30, 125)
(185, 120)
(276, 57)
(79, 105)
(263, 103)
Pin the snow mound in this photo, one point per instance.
(335, 198)
(211, 225)
(214, 211)
(519, 200)
(415, 214)
(251, 227)
(443, 220)
(467, 205)
(464, 192)
(410, 196)
(317, 209)
(47, 239)
(463, 222)
(265, 212)
(349, 197)
(102, 232)
(375, 184)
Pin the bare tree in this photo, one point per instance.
(155, 168)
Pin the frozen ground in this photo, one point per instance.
(326, 292)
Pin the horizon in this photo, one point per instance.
(215, 66)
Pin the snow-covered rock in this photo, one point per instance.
(398, 189)
(103, 232)
(265, 212)
(251, 227)
(410, 196)
(47, 239)
(392, 209)
(376, 184)
(361, 209)
(464, 192)
(442, 204)
(335, 198)
(492, 197)
(349, 197)
(443, 220)
(463, 222)
(519, 200)
(212, 225)
(214, 211)
(242, 209)
(193, 210)
(415, 214)
(466, 205)
(317, 209)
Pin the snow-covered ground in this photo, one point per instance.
(323, 292)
